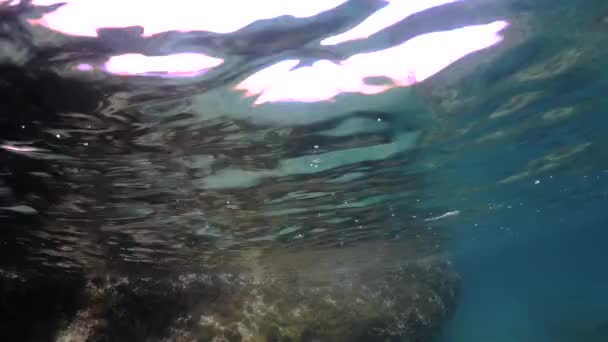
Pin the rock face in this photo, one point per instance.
(35, 309)
(358, 293)
(344, 298)
(368, 292)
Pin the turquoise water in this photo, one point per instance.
(533, 260)
(535, 276)
(544, 289)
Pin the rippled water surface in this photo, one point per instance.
(328, 170)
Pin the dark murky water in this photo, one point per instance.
(303, 171)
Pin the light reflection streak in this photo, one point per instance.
(184, 64)
(411, 62)
(84, 17)
(9, 3)
(19, 149)
(85, 67)
(28, 151)
(440, 217)
(394, 12)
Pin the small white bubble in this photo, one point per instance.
(58, 136)
(379, 119)
(537, 182)
(22, 126)
(86, 144)
(316, 147)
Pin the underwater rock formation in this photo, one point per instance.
(356, 304)
(341, 298)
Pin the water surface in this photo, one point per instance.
(438, 165)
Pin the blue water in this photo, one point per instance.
(548, 288)
(536, 271)
(534, 268)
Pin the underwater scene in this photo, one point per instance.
(303, 170)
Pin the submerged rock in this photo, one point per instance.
(344, 298)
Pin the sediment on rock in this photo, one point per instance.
(316, 299)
